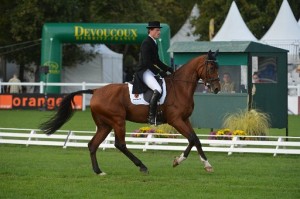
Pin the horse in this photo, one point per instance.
(111, 107)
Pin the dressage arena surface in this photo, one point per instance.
(54, 172)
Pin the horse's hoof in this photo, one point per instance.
(175, 163)
(144, 170)
(209, 169)
(102, 174)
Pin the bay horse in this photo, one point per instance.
(111, 107)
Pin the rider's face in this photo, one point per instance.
(155, 33)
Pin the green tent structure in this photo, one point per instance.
(241, 59)
(54, 35)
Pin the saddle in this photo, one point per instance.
(144, 98)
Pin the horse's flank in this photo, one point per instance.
(113, 101)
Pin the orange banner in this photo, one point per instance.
(35, 101)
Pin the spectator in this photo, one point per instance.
(227, 86)
(255, 78)
(14, 88)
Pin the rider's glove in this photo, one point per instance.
(170, 69)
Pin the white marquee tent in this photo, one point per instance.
(285, 32)
(106, 67)
(285, 26)
(234, 27)
(186, 32)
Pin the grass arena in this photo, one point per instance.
(53, 172)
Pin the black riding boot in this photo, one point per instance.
(153, 107)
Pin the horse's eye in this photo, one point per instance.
(212, 68)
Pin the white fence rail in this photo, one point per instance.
(293, 90)
(42, 85)
(268, 144)
(85, 85)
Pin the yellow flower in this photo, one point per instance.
(145, 129)
(239, 132)
(220, 132)
(159, 131)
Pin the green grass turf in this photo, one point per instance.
(54, 172)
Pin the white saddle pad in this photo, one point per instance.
(138, 99)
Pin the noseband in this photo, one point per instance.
(210, 80)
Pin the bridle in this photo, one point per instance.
(208, 81)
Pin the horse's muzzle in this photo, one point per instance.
(216, 90)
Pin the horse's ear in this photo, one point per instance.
(209, 54)
(216, 53)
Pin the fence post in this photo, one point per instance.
(234, 139)
(83, 96)
(67, 139)
(41, 87)
(107, 139)
(149, 136)
(277, 147)
(29, 138)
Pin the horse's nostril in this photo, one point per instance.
(216, 90)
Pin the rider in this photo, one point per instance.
(150, 66)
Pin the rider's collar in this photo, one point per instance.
(152, 38)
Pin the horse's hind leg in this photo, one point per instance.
(121, 145)
(102, 131)
(133, 158)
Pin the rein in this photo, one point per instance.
(180, 80)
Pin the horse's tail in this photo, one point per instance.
(63, 114)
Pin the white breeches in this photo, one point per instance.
(150, 81)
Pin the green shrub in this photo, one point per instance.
(252, 122)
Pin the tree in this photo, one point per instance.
(171, 12)
(23, 22)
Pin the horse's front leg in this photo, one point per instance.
(185, 128)
(183, 156)
(197, 143)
